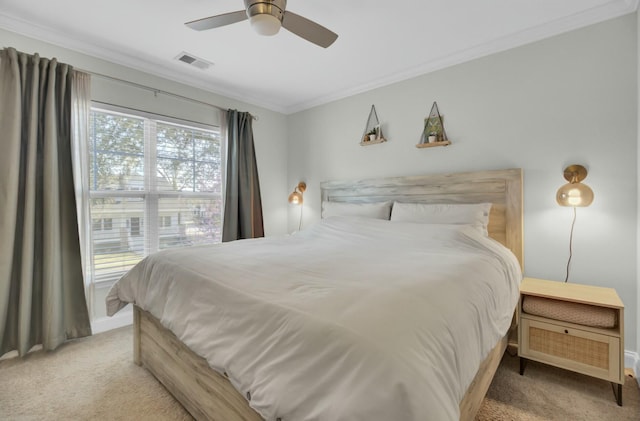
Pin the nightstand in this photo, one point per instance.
(572, 326)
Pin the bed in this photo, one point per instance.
(213, 394)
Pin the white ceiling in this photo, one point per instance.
(379, 42)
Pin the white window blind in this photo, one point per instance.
(154, 184)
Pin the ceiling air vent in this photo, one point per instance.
(194, 61)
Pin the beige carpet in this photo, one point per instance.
(549, 393)
(86, 379)
(95, 379)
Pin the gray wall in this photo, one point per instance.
(567, 99)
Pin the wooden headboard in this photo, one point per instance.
(503, 188)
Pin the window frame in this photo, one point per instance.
(150, 194)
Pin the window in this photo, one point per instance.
(154, 184)
(165, 221)
(135, 227)
(99, 224)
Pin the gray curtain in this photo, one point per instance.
(242, 206)
(42, 299)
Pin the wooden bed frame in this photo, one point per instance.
(208, 395)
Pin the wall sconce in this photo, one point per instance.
(574, 194)
(296, 196)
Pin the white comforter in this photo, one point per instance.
(351, 319)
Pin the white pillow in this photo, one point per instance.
(476, 214)
(379, 210)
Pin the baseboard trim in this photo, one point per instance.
(632, 361)
(103, 324)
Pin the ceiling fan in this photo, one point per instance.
(266, 18)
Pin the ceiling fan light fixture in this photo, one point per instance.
(265, 24)
(267, 17)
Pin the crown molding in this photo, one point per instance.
(610, 10)
(57, 38)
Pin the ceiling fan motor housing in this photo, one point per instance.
(274, 8)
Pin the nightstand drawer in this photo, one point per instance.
(567, 347)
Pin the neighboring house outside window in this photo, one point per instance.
(154, 184)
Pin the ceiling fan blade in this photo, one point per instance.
(308, 29)
(217, 21)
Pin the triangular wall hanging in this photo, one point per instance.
(372, 131)
(433, 133)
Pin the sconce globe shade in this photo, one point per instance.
(265, 24)
(574, 194)
(295, 198)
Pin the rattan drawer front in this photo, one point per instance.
(582, 351)
(575, 348)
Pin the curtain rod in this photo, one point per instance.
(152, 113)
(157, 91)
